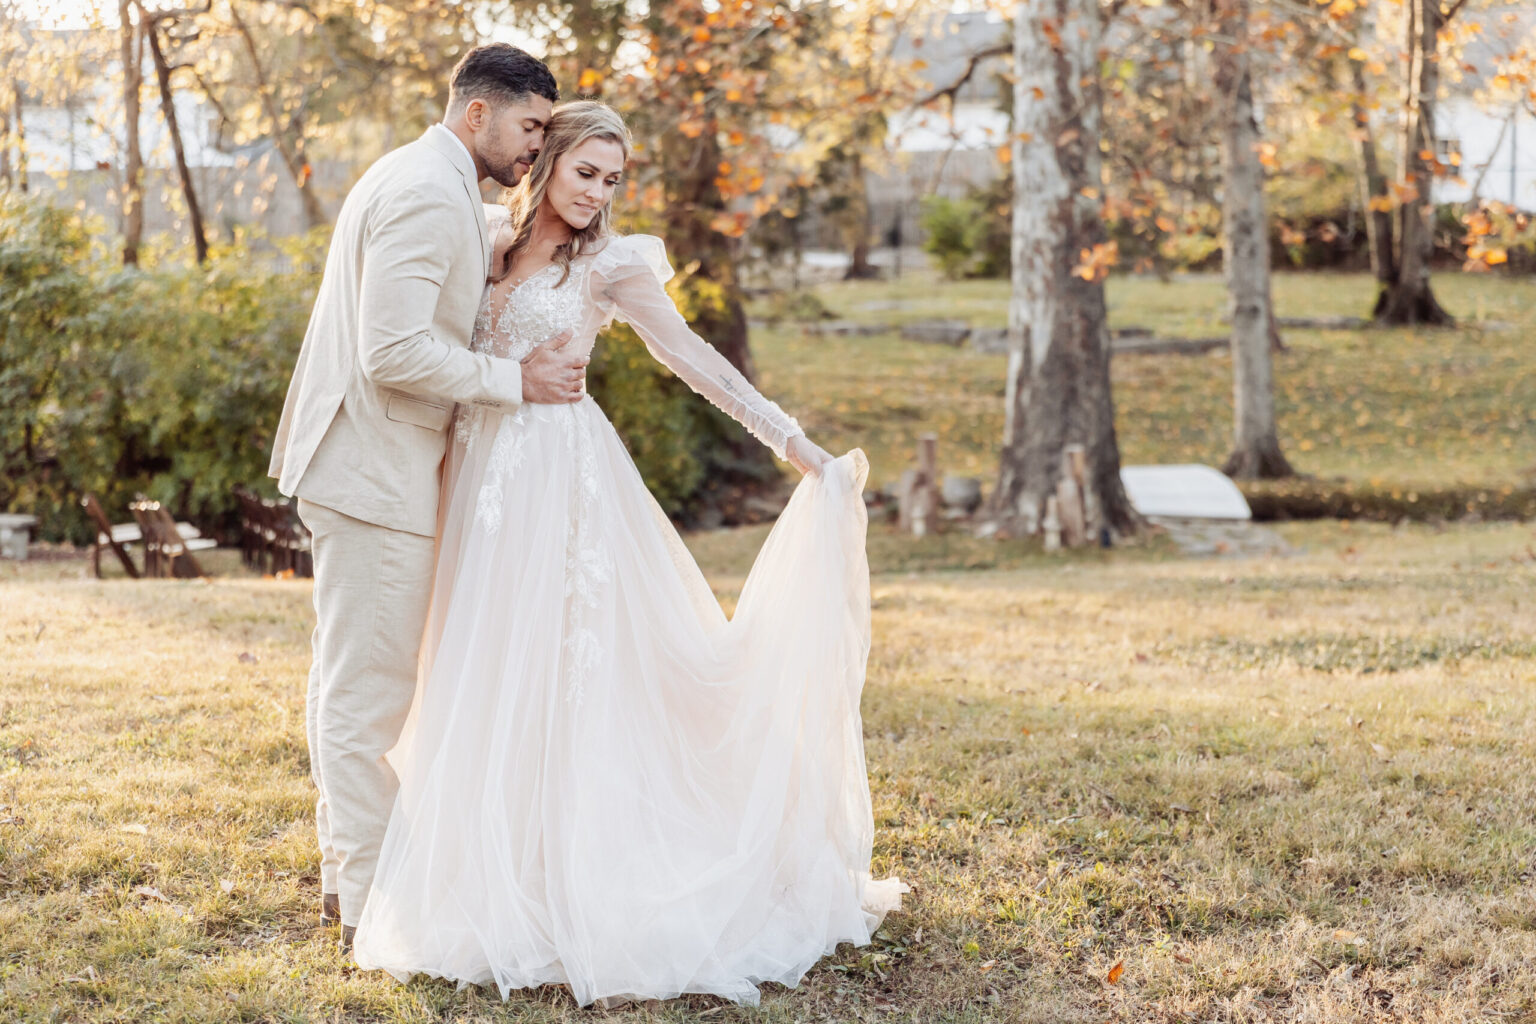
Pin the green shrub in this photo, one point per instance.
(796, 307)
(991, 234)
(971, 237)
(167, 381)
(46, 290)
(947, 223)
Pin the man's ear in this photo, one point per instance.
(475, 113)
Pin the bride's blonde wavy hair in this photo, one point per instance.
(569, 127)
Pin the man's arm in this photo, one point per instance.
(406, 257)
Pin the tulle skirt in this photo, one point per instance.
(606, 783)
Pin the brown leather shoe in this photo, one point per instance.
(330, 910)
(348, 933)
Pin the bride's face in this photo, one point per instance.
(584, 180)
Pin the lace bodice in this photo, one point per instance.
(513, 321)
(624, 280)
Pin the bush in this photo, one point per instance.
(970, 237)
(167, 381)
(796, 307)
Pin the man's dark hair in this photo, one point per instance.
(499, 73)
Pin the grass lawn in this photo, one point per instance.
(1408, 409)
(1293, 789)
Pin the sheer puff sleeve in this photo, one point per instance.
(627, 278)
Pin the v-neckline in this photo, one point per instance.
(515, 288)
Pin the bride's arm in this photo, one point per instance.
(639, 298)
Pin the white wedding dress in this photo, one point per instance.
(606, 783)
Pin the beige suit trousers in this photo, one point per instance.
(372, 587)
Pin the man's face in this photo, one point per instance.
(509, 137)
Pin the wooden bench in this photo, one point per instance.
(167, 549)
(272, 539)
(15, 533)
(110, 534)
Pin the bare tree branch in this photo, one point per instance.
(971, 64)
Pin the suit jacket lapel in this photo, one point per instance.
(436, 137)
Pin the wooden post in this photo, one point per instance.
(1070, 496)
(1050, 526)
(925, 489)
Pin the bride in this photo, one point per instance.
(605, 782)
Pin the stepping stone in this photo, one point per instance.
(1186, 492)
(937, 332)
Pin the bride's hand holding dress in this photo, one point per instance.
(805, 455)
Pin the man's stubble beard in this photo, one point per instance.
(506, 174)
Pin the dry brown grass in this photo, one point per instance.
(1297, 789)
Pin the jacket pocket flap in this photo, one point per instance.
(417, 411)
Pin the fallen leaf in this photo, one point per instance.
(226, 885)
(149, 892)
(1114, 973)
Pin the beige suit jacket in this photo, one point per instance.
(386, 354)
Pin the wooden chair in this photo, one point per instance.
(167, 548)
(290, 541)
(110, 534)
(272, 537)
(255, 549)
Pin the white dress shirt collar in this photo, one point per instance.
(456, 141)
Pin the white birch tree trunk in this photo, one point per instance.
(1245, 258)
(1058, 389)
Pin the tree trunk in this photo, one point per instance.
(1373, 184)
(5, 149)
(133, 157)
(19, 131)
(694, 202)
(859, 267)
(1058, 390)
(168, 110)
(692, 210)
(1245, 259)
(1408, 298)
(290, 149)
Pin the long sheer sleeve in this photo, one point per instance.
(627, 279)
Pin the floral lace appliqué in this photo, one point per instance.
(507, 454)
(588, 565)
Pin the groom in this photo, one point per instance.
(364, 429)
